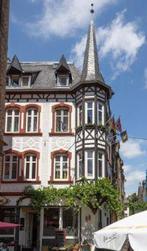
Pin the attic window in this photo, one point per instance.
(15, 80)
(25, 81)
(63, 80)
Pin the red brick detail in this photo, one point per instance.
(56, 107)
(23, 134)
(14, 106)
(61, 134)
(53, 155)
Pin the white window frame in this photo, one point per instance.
(86, 111)
(78, 115)
(11, 166)
(61, 162)
(103, 164)
(58, 80)
(29, 81)
(78, 164)
(31, 162)
(102, 111)
(62, 119)
(32, 116)
(86, 164)
(13, 116)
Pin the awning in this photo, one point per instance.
(8, 225)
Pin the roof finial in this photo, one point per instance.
(92, 9)
(92, 12)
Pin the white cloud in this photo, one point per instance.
(133, 176)
(132, 149)
(121, 40)
(145, 78)
(63, 18)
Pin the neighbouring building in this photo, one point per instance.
(4, 20)
(53, 130)
(142, 190)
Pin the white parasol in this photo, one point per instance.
(133, 227)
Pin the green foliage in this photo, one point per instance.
(85, 193)
(136, 205)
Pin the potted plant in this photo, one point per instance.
(85, 246)
(76, 247)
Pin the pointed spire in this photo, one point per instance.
(15, 65)
(91, 66)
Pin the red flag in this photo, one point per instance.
(112, 125)
(118, 125)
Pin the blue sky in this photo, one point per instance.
(46, 29)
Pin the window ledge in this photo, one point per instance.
(23, 134)
(60, 182)
(61, 134)
(21, 182)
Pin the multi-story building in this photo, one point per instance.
(53, 129)
(142, 190)
(4, 19)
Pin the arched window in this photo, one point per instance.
(61, 166)
(30, 166)
(11, 166)
(61, 118)
(12, 120)
(32, 120)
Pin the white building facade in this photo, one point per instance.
(54, 136)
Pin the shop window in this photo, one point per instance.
(51, 221)
(7, 214)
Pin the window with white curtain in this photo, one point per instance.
(89, 164)
(32, 120)
(12, 120)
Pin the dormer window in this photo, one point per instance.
(15, 80)
(63, 80)
(25, 81)
(63, 74)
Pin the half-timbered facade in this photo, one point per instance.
(54, 129)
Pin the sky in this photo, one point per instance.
(43, 30)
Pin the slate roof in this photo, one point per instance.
(44, 74)
(91, 69)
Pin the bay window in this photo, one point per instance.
(101, 164)
(12, 120)
(89, 112)
(79, 165)
(80, 115)
(30, 167)
(89, 164)
(100, 113)
(32, 120)
(11, 167)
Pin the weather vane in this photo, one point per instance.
(92, 9)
